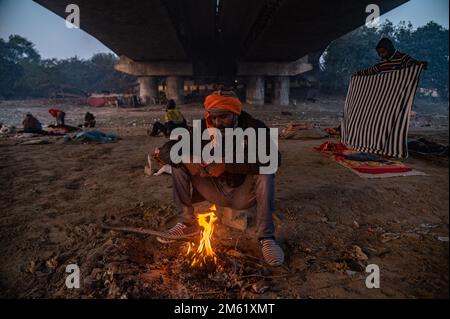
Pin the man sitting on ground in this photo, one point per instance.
(174, 118)
(32, 125)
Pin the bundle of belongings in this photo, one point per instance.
(425, 147)
(333, 131)
(163, 167)
(61, 129)
(31, 125)
(429, 150)
(6, 129)
(95, 137)
(365, 164)
(302, 131)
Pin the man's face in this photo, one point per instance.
(221, 119)
(383, 53)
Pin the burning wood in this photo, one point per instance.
(204, 256)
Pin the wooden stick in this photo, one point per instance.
(266, 277)
(150, 232)
(208, 292)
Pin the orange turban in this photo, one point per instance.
(222, 100)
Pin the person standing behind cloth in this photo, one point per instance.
(173, 119)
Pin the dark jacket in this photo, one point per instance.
(235, 173)
(31, 124)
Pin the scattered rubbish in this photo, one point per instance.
(444, 239)
(330, 147)
(291, 128)
(5, 130)
(52, 263)
(428, 226)
(26, 135)
(167, 169)
(358, 253)
(423, 147)
(299, 131)
(113, 100)
(334, 132)
(61, 129)
(387, 237)
(260, 287)
(96, 137)
(148, 168)
(35, 142)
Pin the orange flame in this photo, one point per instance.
(205, 250)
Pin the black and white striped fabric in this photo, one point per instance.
(177, 230)
(377, 111)
(272, 252)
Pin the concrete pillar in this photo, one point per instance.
(175, 89)
(255, 90)
(148, 89)
(280, 92)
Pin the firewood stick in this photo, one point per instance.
(150, 232)
(266, 277)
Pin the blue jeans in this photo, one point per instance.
(256, 190)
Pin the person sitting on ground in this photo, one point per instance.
(32, 125)
(392, 59)
(234, 185)
(173, 119)
(89, 120)
(58, 115)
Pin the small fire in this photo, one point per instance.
(204, 254)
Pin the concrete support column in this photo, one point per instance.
(175, 89)
(255, 90)
(280, 93)
(148, 89)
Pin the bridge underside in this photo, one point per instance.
(251, 38)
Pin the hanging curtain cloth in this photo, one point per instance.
(377, 112)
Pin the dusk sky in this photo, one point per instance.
(52, 39)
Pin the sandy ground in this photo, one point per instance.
(54, 195)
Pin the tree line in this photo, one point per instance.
(356, 50)
(23, 73)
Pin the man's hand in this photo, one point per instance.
(215, 169)
(196, 169)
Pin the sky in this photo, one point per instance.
(53, 40)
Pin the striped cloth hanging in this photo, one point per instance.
(377, 112)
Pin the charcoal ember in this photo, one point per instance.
(52, 263)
